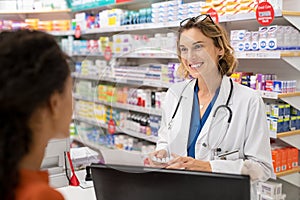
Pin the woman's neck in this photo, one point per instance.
(33, 159)
(208, 86)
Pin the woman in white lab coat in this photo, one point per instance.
(236, 140)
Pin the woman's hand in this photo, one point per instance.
(188, 163)
(158, 154)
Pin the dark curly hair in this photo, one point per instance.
(32, 68)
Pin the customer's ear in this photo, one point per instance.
(55, 104)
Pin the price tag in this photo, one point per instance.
(214, 15)
(107, 53)
(77, 31)
(111, 128)
(264, 13)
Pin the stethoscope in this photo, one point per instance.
(206, 143)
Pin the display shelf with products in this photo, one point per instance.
(282, 135)
(289, 133)
(136, 54)
(292, 98)
(126, 81)
(42, 11)
(291, 176)
(292, 171)
(122, 106)
(119, 130)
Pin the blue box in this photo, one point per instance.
(293, 123)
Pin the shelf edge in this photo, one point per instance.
(292, 171)
(289, 133)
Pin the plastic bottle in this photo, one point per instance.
(253, 82)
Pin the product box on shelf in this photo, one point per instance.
(270, 189)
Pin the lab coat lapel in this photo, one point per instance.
(221, 100)
(187, 105)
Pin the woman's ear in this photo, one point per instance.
(221, 53)
(55, 105)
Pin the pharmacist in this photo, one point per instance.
(210, 123)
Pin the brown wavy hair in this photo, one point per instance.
(227, 62)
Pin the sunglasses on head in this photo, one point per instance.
(197, 19)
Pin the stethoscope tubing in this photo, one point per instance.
(206, 144)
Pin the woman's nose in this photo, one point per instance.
(191, 55)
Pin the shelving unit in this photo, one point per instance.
(43, 11)
(122, 81)
(118, 129)
(44, 14)
(151, 111)
(286, 65)
(291, 176)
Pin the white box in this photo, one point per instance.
(254, 40)
(237, 34)
(270, 189)
(263, 36)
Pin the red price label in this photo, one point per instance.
(77, 32)
(122, 1)
(111, 126)
(264, 13)
(107, 53)
(213, 14)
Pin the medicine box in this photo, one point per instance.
(276, 159)
(270, 189)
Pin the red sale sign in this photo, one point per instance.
(107, 53)
(213, 14)
(264, 13)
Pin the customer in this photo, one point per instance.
(35, 106)
(209, 123)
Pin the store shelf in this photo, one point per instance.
(119, 130)
(289, 133)
(290, 98)
(122, 106)
(61, 33)
(244, 16)
(132, 27)
(42, 11)
(292, 17)
(292, 171)
(123, 81)
(90, 121)
(292, 139)
(266, 54)
(275, 95)
(291, 176)
(168, 25)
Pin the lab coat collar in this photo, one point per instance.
(223, 94)
(190, 88)
(221, 100)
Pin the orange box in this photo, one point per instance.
(289, 158)
(276, 159)
(295, 157)
(283, 159)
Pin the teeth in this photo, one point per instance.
(195, 65)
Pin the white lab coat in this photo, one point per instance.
(247, 131)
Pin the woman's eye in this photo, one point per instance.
(198, 46)
(183, 49)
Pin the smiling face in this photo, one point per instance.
(198, 53)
